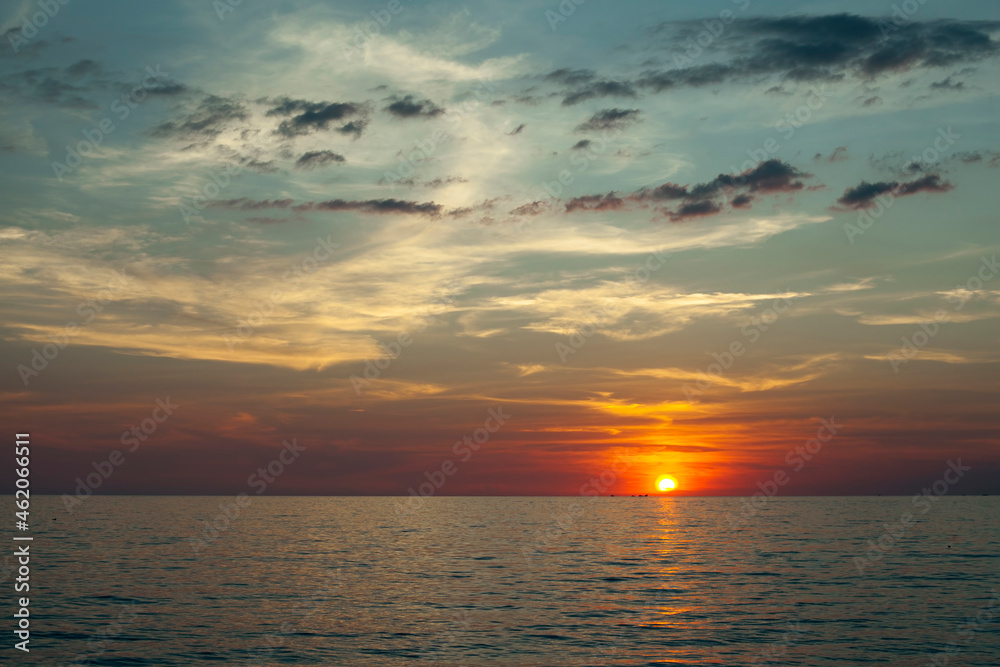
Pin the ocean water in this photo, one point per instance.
(513, 581)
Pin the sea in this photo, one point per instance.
(168, 580)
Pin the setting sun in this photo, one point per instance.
(666, 484)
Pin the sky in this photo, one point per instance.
(519, 248)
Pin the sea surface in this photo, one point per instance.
(511, 581)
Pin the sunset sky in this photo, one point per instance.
(677, 235)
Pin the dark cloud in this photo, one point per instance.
(570, 77)
(314, 159)
(667, 191)
(608, 202)
(440, 182)
(865, 194)
(355, 127)
(929, 183)
(409, 107)
(839, 154)
(264, 220)
(433, 183)
(364, 206)
(681, 202)
(600, 89)
(769, 176)
(874, 101)
(485, 205)
(531, 209)
(374, 206)
(305, 117)
(583, 144)
(741, 201)
(83, 68)
(50, 85)
(268, 167)
(697, 209)
(210, 118)
(898, 164)
(610, 119)
(168, 89)
(811, 49)
(517, 130)
(244, 204)
(948, 84)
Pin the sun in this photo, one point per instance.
(666, 483)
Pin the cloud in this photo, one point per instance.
(610, 119)
(409, 107)
(865, 194)
(741, 201)
(929, 183)
(608, 202)
(530, 209)
(696, 209)
(244, 204)
(570, 77)
(703, 199)
(600, 89)
(811, 49)
(314, 159)
(306, 117)
(948, 84)
(377, 206)
(517, 130)
(209, 119)
(67, 87)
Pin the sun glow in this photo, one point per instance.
(666, 483)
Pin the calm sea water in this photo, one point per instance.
(513, 581)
